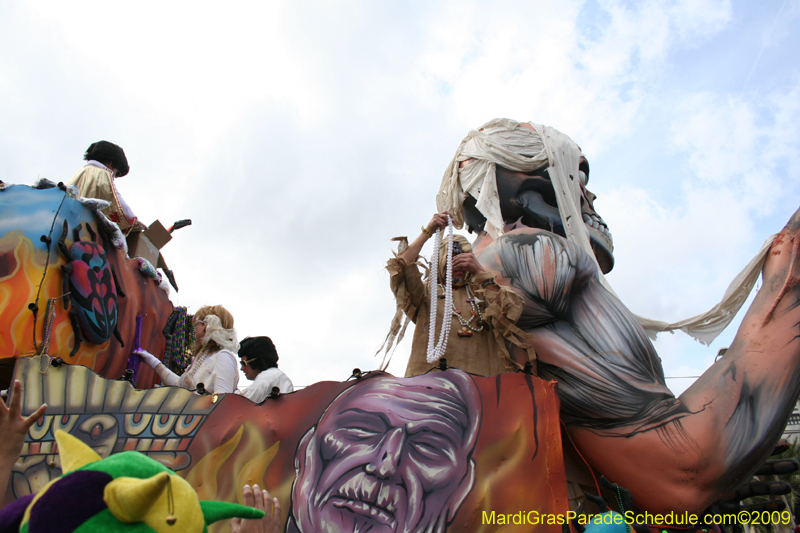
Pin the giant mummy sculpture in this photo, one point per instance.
(522, 187)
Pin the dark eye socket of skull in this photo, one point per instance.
(584, 167)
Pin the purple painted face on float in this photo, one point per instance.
(389, 455)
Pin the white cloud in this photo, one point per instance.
(300, 138)
(743, 145)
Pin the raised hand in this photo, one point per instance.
(13, 428)
(260, 499)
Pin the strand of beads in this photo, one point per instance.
(184, 334)
(476, 312)
(179, 346)
(436, 350)
(49, 315)
(434, 274)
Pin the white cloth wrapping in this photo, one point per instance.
(501, 142)
(707, 326)
(265, 380)
(506, 143)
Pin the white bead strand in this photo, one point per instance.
(436, 350)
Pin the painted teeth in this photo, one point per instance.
(597, 223)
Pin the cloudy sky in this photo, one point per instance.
(301, 136)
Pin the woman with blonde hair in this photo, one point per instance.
(215, 363)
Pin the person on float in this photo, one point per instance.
(105, 162)
(214, 363)
(483, 316)
(259, 360)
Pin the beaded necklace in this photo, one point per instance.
(197, 363)
(466, 328)
(49, 315)
(180, 340)
(436, 349)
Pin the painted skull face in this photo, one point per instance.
(529, 198)
(523, 159)
(389, 455)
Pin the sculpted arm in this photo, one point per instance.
(610, 377)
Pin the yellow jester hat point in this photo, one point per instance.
(137, 490)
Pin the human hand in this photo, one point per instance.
(260, 499)
(138, 225)
(13, 427)
(466, 263)
(151, 360)
(439, 221)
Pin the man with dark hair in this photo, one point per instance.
(105, 162)
(260, 364)
(110, 155)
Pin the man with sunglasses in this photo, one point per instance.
(259, 361)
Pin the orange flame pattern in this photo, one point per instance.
(22, 272)
(518, 453)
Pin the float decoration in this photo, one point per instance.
(526, 185)
(127, 492)
(31, 221)
(430, 453)
(90, 281)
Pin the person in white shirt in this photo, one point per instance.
(259, 361)
(214, 361)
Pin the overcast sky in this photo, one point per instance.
(301, 136)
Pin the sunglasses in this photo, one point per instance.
(246, 362)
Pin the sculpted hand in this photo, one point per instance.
(147, 357)
(260, 499)
(466, 263)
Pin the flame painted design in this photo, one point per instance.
(21, 268)
(221, 445)
(26, 213)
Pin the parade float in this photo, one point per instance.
(69, 288)
(442, 451)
